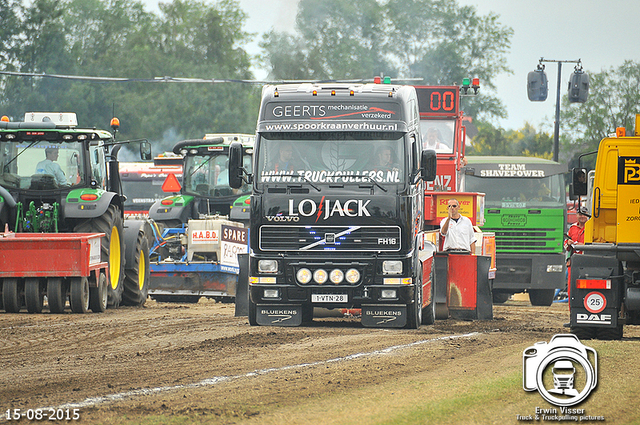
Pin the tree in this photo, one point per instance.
(39, 45)
(285, 56)
(614, 99)
(195, 32)
(337, 39)
(443, 42)
(118, 38)
(8, 31)
(434, 39)
(527, 141)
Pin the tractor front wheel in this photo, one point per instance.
(136, 278)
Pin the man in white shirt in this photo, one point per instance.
(433, 141)
(48, 166)
(457, 230)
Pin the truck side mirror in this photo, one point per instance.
(145, 150)
(579, 181)
(572, 195)
(235, 165)
(428, 165)
(537, 85)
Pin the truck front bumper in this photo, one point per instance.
(517, 272)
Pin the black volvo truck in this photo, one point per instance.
(337, 205)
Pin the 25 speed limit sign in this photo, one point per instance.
(595, 302)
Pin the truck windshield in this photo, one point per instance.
(505, 192)
(437, 135)
(331, 158)
(208, 175)
(40, 165)
(142, 192)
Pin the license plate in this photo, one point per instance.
(329, 298)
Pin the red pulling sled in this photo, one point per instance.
(58, 265)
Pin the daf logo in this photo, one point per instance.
(593, 318)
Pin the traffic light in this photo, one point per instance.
(470, 84)
(537, 85)
(578, 86)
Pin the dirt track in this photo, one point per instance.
(198, 359)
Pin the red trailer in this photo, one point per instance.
(57, 265)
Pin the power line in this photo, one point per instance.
(167, 79)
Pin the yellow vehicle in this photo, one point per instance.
(605, 279)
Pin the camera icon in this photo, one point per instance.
(568, 359)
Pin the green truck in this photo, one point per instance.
(526, 208)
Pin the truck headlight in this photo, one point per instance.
(392, 267)
(268, 266)
(352, 276)
(304, 276)
(336, 276)
(320, 276)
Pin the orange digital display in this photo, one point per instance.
(438, 100)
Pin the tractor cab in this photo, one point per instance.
(49, 166)
(205, 186)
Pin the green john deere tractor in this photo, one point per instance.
(56, 177)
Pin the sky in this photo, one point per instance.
(600, 33)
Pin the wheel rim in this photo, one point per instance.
(85, 293)
(142, 270)
(114, 258)
(103, 290)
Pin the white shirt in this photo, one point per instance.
(53, 168)
(460, 234)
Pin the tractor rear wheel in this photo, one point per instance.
(12, 296)
(79, 295)
(33, 295)
(136, 278)
(110, 223)
(56, 294)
